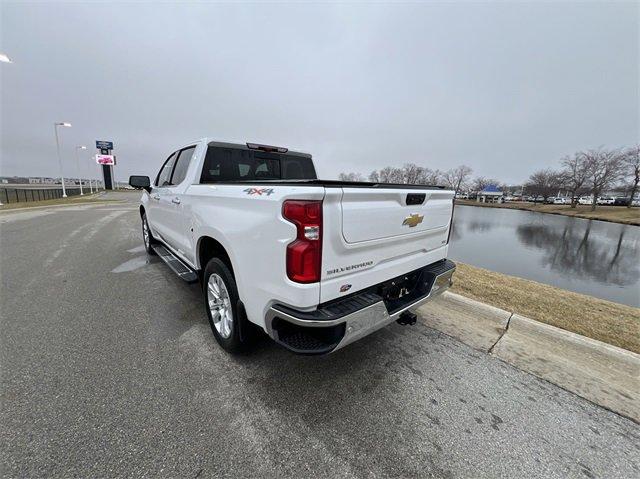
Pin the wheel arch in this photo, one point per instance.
(208, 248)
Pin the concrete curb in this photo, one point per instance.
(476, 324)
(599, 372)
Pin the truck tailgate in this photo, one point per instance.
(373, 234)
(371, 214)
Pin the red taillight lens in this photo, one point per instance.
(304, 255)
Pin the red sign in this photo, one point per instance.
(109, 160)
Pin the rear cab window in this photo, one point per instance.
(229, 164)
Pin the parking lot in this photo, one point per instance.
(109, 369)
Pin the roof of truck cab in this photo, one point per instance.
(243, 146)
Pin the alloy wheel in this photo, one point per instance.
(220, 305)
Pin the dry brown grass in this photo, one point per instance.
(612, 323)
(614, 214)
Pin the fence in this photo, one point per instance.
(19, 195)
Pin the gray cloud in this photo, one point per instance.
(503, 88)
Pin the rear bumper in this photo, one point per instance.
(341, 322)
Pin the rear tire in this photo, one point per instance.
(147, 237)
(221, 302)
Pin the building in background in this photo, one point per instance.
(490, 194)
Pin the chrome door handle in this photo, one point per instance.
(176, 201)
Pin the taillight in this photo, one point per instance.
(304, 255)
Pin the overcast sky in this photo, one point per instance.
(504, 88)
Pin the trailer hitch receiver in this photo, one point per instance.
(407, 318)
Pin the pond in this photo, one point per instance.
(590, 257)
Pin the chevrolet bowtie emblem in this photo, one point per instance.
(413, 220)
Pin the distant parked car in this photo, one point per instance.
(462, 196)
(585, 200)
(635, 202)
(509, 198)
(606, 200)
(551, 200)
(561, 200)
(621, 201)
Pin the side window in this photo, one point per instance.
(180, 171)
(164, 176)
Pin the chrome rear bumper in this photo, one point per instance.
(354, 325)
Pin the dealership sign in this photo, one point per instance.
(108, 160)
(104, 145)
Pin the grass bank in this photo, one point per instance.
(595, 318)
(614, 214)
(72, 200)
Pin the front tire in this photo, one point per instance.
(221, 302)
(147, 237)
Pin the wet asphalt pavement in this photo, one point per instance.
(109, 369)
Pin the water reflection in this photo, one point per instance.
(477, 226)
(591, 257)
(572, 250)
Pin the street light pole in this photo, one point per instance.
(90, 179)
(78, 166)
(55, 128)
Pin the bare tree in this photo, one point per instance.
(456, 178)
(480, 183)
(374, 176)
(350, 177)
(544, 183)
(603, 169)
(575, 174)
(631, 163)
(412, 174)
(391, 174)
(430, 177)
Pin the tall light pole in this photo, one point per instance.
(82, 147)
(90, 179)
(4, 59)
(55, 129)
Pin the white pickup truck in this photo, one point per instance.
(315, 264)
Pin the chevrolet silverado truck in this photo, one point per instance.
(315, 264)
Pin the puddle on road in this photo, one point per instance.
(132, 264)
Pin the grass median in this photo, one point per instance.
(614, 214)
(595, 318)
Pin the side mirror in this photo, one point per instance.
(140, 182)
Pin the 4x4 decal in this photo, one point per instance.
(258, 191)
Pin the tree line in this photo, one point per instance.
(590, 172)
(412, 174)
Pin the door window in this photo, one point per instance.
(180, 171)
(164, 176)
